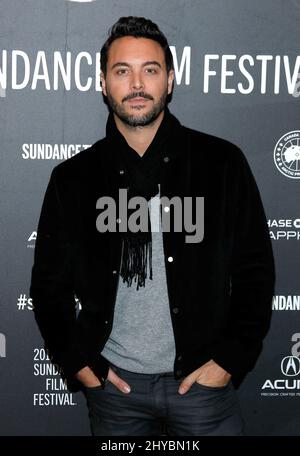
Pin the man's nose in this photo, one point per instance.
(137, 81)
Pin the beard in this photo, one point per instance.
(135, 120)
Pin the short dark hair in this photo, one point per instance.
(138, 27)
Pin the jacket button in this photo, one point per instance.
(121, 171)
(179, 372)
(114, 272)
(118, 220)
(166, 159)
(106, 322)
(175, 310)
(166, 209)
(170, 259)
(179, 358)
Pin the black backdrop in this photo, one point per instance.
(237, 77)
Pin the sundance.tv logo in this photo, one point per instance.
(138, 219)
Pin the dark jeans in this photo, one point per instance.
(154, 407)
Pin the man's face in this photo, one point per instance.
(136, 83)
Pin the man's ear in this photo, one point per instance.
(103, 84)
(171, 76)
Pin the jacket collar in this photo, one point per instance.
(176, 157)
(164, 143)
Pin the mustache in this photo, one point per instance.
(138, 95)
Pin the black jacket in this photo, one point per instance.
(220, 289)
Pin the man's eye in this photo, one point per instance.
(121, 71)
(151, 70)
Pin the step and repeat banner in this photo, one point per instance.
(237, 66)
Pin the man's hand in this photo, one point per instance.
(87, 377)
(210, 374)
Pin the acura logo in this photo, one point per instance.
(290, 366)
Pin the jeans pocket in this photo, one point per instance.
(115, 368)
(91, 389)
(213, 388)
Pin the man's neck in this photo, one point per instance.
(139, 138)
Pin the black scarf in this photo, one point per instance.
(141, 176)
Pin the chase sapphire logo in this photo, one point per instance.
(287, 154)
(290, 366)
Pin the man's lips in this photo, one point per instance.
(137, 100)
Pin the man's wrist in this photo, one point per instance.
(87, 377)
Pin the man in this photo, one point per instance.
(168, 327)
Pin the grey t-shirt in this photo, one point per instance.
(142, 338)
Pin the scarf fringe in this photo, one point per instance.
(135, 256)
